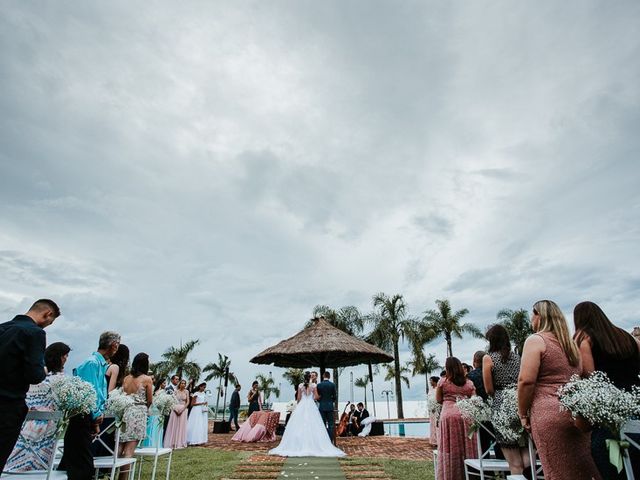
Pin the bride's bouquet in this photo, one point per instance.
(602, 404)
(505, 417)
(434, 408)
(475, 410)
(291, 406)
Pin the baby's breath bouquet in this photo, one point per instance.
(116, 406)
(72, 395)
(291, 406)
(602, 404)
(163, 403)
(434, 408)
(505, 417)
(475, 410)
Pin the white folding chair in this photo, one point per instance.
(154, 453)
(55, 434)
(484, 466)
(113, 461)
(632, 427)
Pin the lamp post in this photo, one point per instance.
(388, 393)
(351, 399)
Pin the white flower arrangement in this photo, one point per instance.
(291, 406)
(602, 404)
(163, 403)
(599, 401)
(505, 417)
(433, 407)
(116, 406)
(475, 410)
(72, 395)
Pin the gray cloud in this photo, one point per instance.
(216, 170)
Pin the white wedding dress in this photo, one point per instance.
(305, 434)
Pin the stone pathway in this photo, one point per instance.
(369, 447)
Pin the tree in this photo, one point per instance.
(176, 360)
(218, 370)
(349, 320)
(390, 325)
(362, 383)
(421, 365)
(391, 374)
(267, 386)
(443, 322)
(295, 376)
(518, 326)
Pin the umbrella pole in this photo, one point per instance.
(373, 397)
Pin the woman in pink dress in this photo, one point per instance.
(176, 435)
(549, 358)
(454, 444)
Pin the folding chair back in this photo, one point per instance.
(478, 467)
(630, 432)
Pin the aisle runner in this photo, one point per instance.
(311, 468)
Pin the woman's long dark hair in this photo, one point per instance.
(53, 356)
(140, 365)
(121, 359)
(455, 372)
(591, 321)
(307, 379)
(498, 338)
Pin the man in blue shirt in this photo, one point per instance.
(77, 458)
(22, 344)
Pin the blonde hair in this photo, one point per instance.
(552, 320)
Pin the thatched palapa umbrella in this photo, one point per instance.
(325, 346)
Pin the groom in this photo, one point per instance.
(327, 392)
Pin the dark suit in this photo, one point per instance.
(22, 344)
(234, 408)
(327, 393)
(360, 416)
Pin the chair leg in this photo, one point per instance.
(155, 466)
(169, 465)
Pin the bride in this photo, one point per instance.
(305, 435)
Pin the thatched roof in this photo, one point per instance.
(322, 345)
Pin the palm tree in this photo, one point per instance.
(362, 383)
(446, 323)
(421, 365)
(390, 325)
(175, 359)
(518, 326)
(219, 370)
(391, 373)
(295, 376)
(267, 386)
(348, 319)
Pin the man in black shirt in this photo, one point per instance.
(234, 406)
(475, 375)
(22, 345)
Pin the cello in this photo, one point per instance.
(341, 431)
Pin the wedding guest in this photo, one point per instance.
(198, 423)
(22, 346)
(500, 369)
(549, 358)
(234, 406)
(360, 414)
(171, 389)
(77, 458)
(153, 423)
(433, 415)
(139, 386)
(117, 368)
(467, 368)
(35, 446)
(609, 349)
(176, 435)
(455, 444)
(352, 413)
(475, 375)
(253, 397)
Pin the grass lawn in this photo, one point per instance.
(205, 463)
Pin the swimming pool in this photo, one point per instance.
(413, 429)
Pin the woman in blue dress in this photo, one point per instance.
(153, 420)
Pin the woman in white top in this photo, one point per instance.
(198, 423)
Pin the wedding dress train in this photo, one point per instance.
(305, 434)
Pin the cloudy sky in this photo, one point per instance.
(213, 170)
